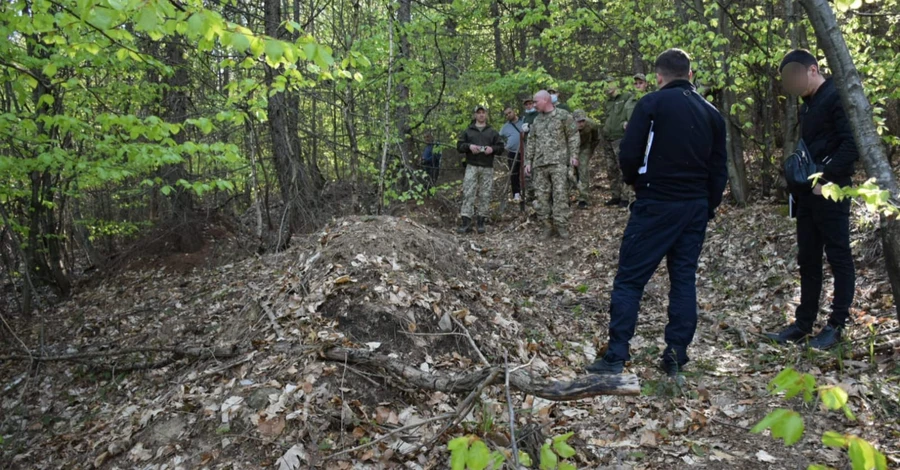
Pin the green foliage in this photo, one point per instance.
(555, 451)
(788, 425)
(876, 199)
(470, 452)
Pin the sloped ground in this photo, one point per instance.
(417, 294)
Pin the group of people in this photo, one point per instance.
(671, 152)
(550, 145)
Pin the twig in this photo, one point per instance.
(472, 342)
(463, 409)
(390, 434)
(512, 414)
(273, 321)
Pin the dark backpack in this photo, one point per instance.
(798, 167)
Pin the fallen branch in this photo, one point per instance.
(200, 352)
(581, 387)
(392, 433)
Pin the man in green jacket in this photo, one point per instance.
(589, 137)
(553, 145)
(618, 112)
(480, 143)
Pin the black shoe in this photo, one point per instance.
(623, 203)
(479, 224)
(466, 226)
(827, 338)
(582, 205)
(791, 334)
(614, 202)
(603, 367)
(671, 369)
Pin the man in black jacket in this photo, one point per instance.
(673, 153)
(480, 143)
(822, 224)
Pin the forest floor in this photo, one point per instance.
(220, 363)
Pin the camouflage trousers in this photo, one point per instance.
(552, 180)
(477, 187)
(617, 187)
(585, 177)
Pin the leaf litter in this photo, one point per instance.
(428, 298)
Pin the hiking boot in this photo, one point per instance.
(616, 201)
(604, 367)
(479, 224)
(582, 205)
(671, 369)
(827, 338)
(548, 231)
(624, 204)
(466, 226)
(563, 232)
(791, 334)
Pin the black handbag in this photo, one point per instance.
(798, 167)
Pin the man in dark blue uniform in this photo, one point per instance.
(673, 153)
(822, 224)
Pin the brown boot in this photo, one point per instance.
(548, 230)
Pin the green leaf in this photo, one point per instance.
(240, 42)
(561, 447)
(459, 452)
(834, 439)
(549, 460)
(147, 19)
(479, 456)
(525, 459)
(567, 466)
(274, 51)
(863, 456)
(50, 69)
(833, 397)
(819, 467)
(784, 424)
(497, 459)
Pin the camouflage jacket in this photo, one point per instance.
(618, 112)
(589, 137)
(552, 140)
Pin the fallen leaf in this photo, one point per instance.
(764, 456)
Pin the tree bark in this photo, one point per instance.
(859, 113)
(737, 171)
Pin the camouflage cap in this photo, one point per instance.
(579, 115)
(640, 76)
(479, 108)
(527, 99)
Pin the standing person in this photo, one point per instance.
(511, 132)
(530, 114)
(589, 137)
(480, 143)
(431, 159)
(556, 100)
(822, 224)
(553, 145)
(673, 153)
(618, 112)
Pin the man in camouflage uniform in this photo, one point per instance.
(553, 145)
(480, 143)
(589, 137)
(618, 112)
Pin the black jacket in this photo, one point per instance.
(826, 132)
(687, 156)
(486, 137)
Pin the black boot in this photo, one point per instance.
(604, 367)
(613, 202)
(582, 204)
(479, 224)
(827, 338)
(466, 226)
(791, 334)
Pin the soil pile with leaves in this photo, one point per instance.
(234, 366)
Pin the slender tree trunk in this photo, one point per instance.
(737, 171)
(387, 112)
(859, 113)
(404, 16)
(498, 38)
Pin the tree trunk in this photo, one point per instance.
(791, 123)
(404, 16)
(498, 38)
(737, 171)
(175, 110)
(859, 113)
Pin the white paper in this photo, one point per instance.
(643, 169)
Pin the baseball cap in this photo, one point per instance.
(527, 99)
(552, 90)
(579, 115)
(479, 108)
(640, 76)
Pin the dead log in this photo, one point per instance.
(581, 387)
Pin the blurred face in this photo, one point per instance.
(640, 85)
(542, 102)
(798, 79)
(529, 106)
(429, 138)
(580, 124)
(480, 116)
(510, 115)
(612, 90)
